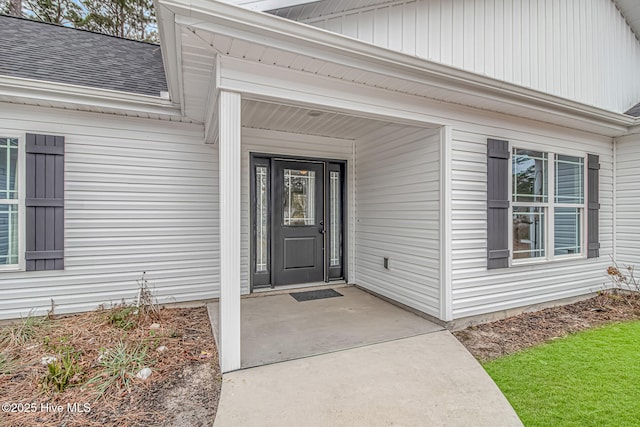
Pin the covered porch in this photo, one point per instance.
(277, 327)
(302, 111)
(388, 215)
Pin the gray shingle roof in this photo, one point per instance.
(41, 51)
(634, 111)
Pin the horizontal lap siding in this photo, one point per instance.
(477, 290)
(140, 195)
(296, 145)
(560, 47)
(397, 216)
(628, 200)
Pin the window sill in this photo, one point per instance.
(559, 259)
(10, 268)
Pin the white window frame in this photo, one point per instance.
(21, 177)
(549, 206)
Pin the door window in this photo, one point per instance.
(299, 197)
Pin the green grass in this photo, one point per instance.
(588, 379)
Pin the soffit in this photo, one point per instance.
(631, 11)
(263, 115)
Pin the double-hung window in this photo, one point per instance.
(9, 203)
(548, 205)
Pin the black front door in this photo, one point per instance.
(298, 222)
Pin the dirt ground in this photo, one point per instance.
(183, 389)
(491, 340)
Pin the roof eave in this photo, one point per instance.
(257, 27)
(170, 52)
(88, 98)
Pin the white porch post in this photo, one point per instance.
(229, 154)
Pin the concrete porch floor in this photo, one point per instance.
(276, 328)
(353, 361)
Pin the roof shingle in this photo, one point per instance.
(42, 51)
(634, 111)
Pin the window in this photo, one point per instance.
(548, 205)
(9, 202)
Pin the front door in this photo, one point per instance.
(298, 222)
(297, 217)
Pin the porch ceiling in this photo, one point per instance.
(264, 115)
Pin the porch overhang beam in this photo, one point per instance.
(229, 110)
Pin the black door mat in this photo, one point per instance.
(311, 295)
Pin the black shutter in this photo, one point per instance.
(593, 206)
(497, 203)
(45, 202)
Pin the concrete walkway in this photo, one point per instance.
(353, 361)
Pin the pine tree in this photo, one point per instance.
(62, 12)
(133, 19)
(13, 7)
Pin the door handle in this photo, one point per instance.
(322, 231)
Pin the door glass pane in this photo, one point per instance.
(569, 179)
(8, 163)
(528, 232)
(262, 218)
(8, 234)
(529, 174)
(299, 197)
(567, 231)
(334, 217)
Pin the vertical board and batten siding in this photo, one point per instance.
(477, 290)
(140, 195)
(580, 50)
(300, 146)
(628, 200)
(398, 216)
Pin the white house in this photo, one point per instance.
(462, 158)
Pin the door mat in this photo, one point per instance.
(311, 295)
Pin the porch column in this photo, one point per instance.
(229, 155)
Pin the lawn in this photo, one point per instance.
(591, 378)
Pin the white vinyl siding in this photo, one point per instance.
(477, 290)
(140, 196)
(398, 216)
(628, 200)
(581, 50)
(300, 146)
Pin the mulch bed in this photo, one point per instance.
(183, 389)
(491, 340)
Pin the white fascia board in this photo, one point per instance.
(264, 5)
(635, 129)
(264, 29)
(34, 91)
(171, 57)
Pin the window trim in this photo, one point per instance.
(22, 181)
(549, 206)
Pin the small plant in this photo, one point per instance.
(123, 316)
(146, 304)
(119, 366)
(7, 364)
(63, 371)
(22, 332)
(126, 317)
(624, 279)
